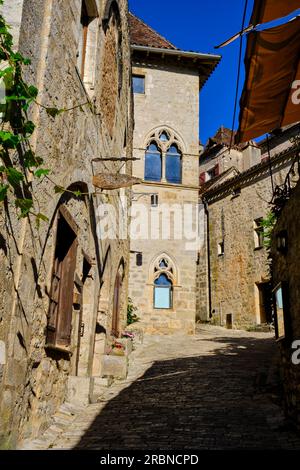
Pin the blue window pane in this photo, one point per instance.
(153, 148)
(163, 264)
(138, 84)
(162, 280)
(162, 297)
(173, 149)
(153, 164)
(173, 165)
(164, 137)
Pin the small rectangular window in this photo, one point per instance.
(212, 173)
(258, 233)
(138, 83)
(88, 14)
(154, 200)
(221, 248)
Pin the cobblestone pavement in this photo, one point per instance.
(216, 390)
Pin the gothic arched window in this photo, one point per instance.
(153, 163)
(163, 159)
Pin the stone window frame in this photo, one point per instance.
(221, 248)
(86, 56)
(164, 146)
(258, 234)
(170, 271)
(112, 14)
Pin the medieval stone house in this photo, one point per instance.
(166, 84)
(234, 279)
(286, 281)
(63, 291)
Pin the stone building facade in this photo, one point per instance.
(166, 145)
(62, 288)
(233, 278)
(286, 281)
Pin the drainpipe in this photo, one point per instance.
(208, 258)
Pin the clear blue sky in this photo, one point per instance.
(199, 25)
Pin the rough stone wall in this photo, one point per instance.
(33, 378)
(285, 267)
(236, 274)
(171, 101)
(223, 158)
(202, 287)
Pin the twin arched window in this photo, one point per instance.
(163, 159)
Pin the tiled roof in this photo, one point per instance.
(142, 35)
(223, 137)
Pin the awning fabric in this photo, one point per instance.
(269, 10)
(272, 66)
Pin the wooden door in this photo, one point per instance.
(62, 286)
(116, 305)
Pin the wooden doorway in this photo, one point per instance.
(116, 305)
(62, 286)
(265, 302)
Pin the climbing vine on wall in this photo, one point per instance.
(19, 164)
(268, 224)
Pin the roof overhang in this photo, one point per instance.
(270, 97)
(205, 63)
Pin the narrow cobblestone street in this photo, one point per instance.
(216, 390)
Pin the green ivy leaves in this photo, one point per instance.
(3, 191)
(17, 129)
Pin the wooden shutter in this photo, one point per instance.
(62, 285)
(65, 307)
(54, 300)
(217, 169)
(202, 178)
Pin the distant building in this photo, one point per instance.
(233, 279)
(286, 284)
(166, 84)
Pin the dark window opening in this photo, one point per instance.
(265, 302)
(212, 173)
(154, 200)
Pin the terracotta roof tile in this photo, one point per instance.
(223, 136)
(142, 35)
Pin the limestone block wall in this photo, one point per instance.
(171, 103)
(235, 275)
(285, 267)
(32, 378)
(181, 317)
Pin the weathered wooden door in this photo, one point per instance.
(62, 287)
